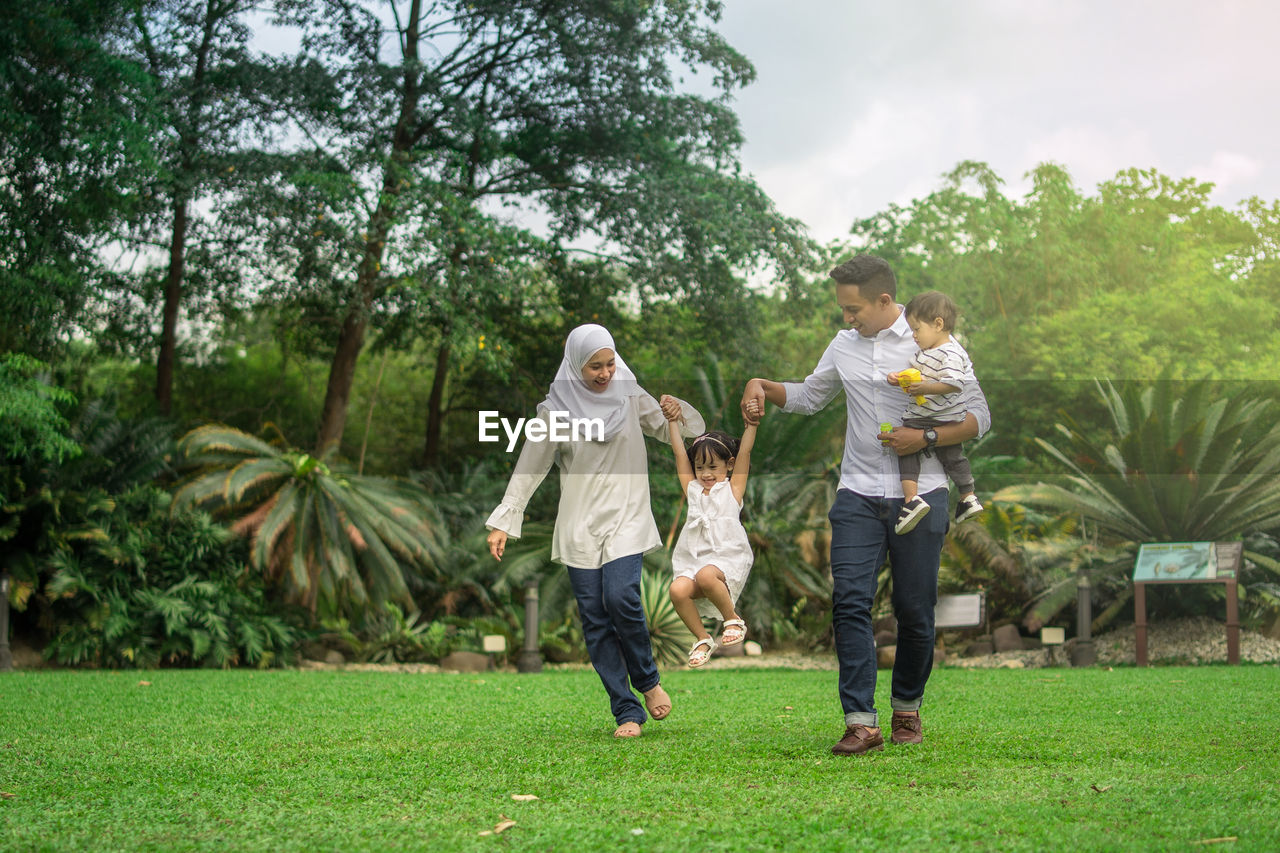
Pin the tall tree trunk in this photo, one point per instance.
(172, 302)
(342, 371)
(435, 413)
(188, 145)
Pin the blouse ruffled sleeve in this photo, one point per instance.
(536, 459)
(653, 423)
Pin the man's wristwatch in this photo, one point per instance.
(931, 436)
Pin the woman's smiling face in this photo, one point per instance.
(599, 369)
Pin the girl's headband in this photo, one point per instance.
(706, 436)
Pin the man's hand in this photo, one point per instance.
(904, 440)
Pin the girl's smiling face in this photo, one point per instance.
(599, 369)
(708, 470)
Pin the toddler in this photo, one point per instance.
(936, 400)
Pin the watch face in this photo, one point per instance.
(931, 435)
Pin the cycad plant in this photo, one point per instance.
(337, 542)
(1178, 462)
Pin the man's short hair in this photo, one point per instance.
(872, 276)
(931, 305)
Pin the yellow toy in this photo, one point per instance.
(908, 377)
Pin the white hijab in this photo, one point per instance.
(570, 393)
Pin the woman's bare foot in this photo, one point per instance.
(658, 702)
(627, 730)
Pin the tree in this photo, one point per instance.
(74, 149)
(220, 106)
(1145, 278)
(568, 106)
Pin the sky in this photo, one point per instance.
(859, 104)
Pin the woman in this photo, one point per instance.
(604, 524)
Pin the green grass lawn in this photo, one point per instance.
(1044, 760)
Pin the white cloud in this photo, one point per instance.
(1228, 170)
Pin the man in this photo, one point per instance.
(877, 342)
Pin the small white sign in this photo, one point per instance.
(958, 611)
(494, 643)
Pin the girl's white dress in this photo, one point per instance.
(713, 535)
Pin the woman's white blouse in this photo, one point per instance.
(604, 509)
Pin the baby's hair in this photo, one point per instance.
(932, 305)
(713, 445)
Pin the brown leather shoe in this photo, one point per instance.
(906, 728)
(859, 739)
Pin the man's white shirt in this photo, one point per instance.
(859, 365)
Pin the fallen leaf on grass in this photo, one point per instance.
(1100, 790)
(524, 798)
(5, 795)
(1222, 840)
(144, 683)
(503, 826)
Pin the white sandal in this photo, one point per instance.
(732, 640)
(697, 657)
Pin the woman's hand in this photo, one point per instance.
(670, 407)
(497, 543)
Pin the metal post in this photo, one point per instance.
(1233, 622)
(530, 657)
(6, 655)
(1083, 654)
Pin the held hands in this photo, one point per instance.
(497, 543)
(670, 408)
(752, 403)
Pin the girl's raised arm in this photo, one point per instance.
(742, 464)
(684, 470)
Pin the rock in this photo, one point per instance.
(886, 623)
(886, 638)
(1013, 664)
(978, 649)
(734, 651)
(335, 657)
(465, 662)
(311, 650)
(25, 656)
(752, 648)
(1007, 639)
(885, 656)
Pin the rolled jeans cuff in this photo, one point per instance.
(904, 704)
(862, 718)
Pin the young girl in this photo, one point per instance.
(604, 523)
(713, 557)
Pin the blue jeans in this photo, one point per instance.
(616, 633)
(861, 535)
